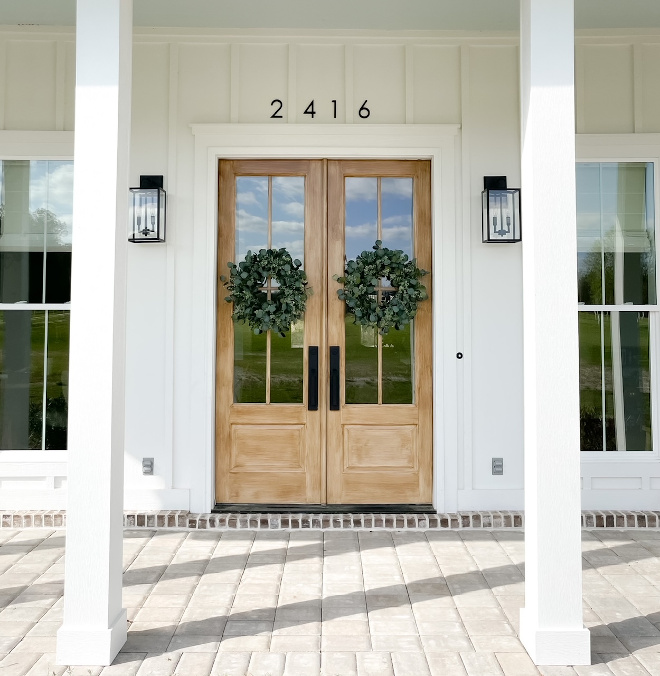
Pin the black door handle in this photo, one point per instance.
(313, 378)
(334, 378)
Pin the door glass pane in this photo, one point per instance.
(286, 366)
(288, 216)
(251, 215)
(615, 393)
(57, 380)
(397, 214)
(270, 213)
(361, 342)
(616, 233)
(22, 335)
(379, 208)
(398, 366)
(361, 363)
(361, 215)
(249, 365)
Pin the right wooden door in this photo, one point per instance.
(379, 442)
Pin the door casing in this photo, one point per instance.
(439, 143)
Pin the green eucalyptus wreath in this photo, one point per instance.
(251, 302)
(397, 306)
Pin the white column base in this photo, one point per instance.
(560, 647)
(88, 646)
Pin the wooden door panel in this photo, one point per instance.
(380, 453)
(269, 452)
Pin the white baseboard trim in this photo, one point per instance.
(473, 500)
(33, 499)
(153, 499)
(628, 500)
(134, 499)
(84, 645)
(555, 647)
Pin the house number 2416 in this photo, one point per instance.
(277, 104)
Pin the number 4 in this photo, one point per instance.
(310, 109)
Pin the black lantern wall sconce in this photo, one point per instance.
(148, 211)
(501, 211)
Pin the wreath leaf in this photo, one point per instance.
(246, 284)
(398, 306)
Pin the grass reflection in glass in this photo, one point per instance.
(398, 366)
(22, 335)
(249, 365)
(614, 381)
(286, 367)
(361, 363)
(57, 380)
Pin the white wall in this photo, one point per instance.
(183, 78)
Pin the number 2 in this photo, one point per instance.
(276, 114)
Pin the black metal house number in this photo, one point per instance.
(277, 104)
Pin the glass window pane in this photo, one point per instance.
(361, 215)
(251, 215)
(57, 380)
(361, 363)
(398, 366)
(616, 233)
(288, 215)
(22, 336)
(628, 400)
(22, 241)
(397, 214)
(286, 366)
(57, 206)
(615, 393)
(249, 365)
(591, 382)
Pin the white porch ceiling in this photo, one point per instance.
(467, 15)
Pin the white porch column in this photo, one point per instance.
(94, 627)
(551, 622)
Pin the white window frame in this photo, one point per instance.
(618, 148)
(34, 146)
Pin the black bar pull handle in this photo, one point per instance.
(313, 378)
(334, 378)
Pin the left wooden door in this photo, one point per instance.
(268, 441)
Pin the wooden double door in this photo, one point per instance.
(332, 413)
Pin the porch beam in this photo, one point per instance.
(551, 628)
(94, 627)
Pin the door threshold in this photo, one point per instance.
(251, 508)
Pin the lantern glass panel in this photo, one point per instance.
(148, 215)
(501, 215)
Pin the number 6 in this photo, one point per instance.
(364, 112)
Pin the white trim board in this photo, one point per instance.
(36, 145)
(440, 144)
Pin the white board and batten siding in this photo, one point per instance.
(183, 78)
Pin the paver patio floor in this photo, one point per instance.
(335, 603)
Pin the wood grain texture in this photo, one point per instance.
(268, 453)
(381, 453)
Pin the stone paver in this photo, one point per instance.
(344, 603)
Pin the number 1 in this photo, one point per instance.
(334, 108)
